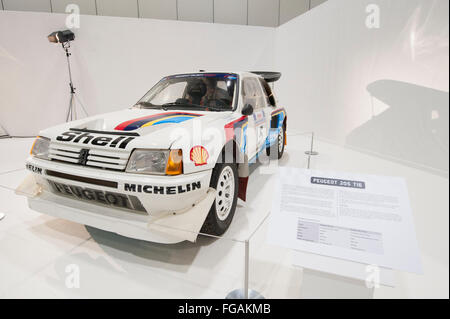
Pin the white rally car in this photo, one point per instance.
(170, 166)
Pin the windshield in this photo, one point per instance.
(202, 91)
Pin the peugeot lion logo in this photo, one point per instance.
(83, 157)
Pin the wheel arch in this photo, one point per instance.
(232, 152)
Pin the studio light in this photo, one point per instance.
(61, 36)
(65, 37)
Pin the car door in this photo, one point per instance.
(258, 122)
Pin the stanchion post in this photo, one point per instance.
(311, 151)
(246, 269)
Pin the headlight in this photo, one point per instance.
(40, 147)
(156, 162)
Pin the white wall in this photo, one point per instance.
(115, 61)
(382, 90)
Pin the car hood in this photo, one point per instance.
(151, 128)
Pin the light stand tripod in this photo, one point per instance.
(3, 132)
(71, 113)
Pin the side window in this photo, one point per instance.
(268, 93)
(252, 93)
(260, 96)
(248, 92)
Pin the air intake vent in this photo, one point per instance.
(81, 155)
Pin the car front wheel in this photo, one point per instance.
(225, 180)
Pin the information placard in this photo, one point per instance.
(363, 218)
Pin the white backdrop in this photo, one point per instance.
(382, 90)
(115, 61)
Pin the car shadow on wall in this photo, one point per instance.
(412, 130)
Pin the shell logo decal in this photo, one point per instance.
(199, 155)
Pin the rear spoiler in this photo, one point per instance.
(268, 76)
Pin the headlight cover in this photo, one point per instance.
(148, 161)
(40, 148)
(159, 162)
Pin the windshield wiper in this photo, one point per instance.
(167, 105)
(203, 107)
(217, 109)
(147, 104)
(173, 104)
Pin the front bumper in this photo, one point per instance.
(95, 197)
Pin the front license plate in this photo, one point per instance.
(96, 196)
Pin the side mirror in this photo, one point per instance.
(247, 109)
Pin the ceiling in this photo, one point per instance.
(269, 13)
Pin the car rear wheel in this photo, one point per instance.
(225, 180)
(278, 147)
(280, 142)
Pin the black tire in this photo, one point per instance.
(215, 224)
(282, 135)
(276, 146)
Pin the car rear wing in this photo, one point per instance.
(268, 76)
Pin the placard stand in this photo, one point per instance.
(245, 293)
(344, 278)
(323, 285)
